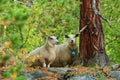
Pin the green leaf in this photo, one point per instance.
(12, 70)
(19, 67)
(21, 78)
(6, 57)
(6, 74)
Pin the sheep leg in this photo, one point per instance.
(49, 64)
(44, 64)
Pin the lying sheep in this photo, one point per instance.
(65, 53)
(46, 52)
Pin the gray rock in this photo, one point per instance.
(115, 74)
(38, 74)
(100, 75)
(33, 75)
(59, 70)
(115, 66)
(70, 76)
(82, 77)
(27, 75)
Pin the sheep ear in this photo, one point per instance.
(66, 36)
(76, 35)
(56, 37)
(49, 37)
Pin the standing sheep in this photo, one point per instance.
(65, 53)
(46, 52)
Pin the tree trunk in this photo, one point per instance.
(91, 36)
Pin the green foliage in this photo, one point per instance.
(14, 73)
(6, 74)
(110, 10)
(20, 78)
(43, 19)
(28, 27)
(15, 38)
(19, 67)
(6, 57)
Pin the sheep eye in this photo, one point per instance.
(50, 38)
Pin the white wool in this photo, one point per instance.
(46, 52)
(63, 54)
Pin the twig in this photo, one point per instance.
(95, 47)
(21, 35)
(26, 39)
(105, 20)
(83, 28)
(19, 2)
(29, 4)
(98, 13)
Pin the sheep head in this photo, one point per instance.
(71, 38)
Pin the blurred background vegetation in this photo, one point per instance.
(24, 25)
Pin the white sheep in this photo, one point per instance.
(46, 52)
(65, 53)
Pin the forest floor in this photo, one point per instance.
(54, 75)
(79, 70)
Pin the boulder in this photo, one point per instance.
(82, 77)
(33, 75)
(61, 70)
(115, 74)
(115, 66)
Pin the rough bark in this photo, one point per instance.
(91, 37)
